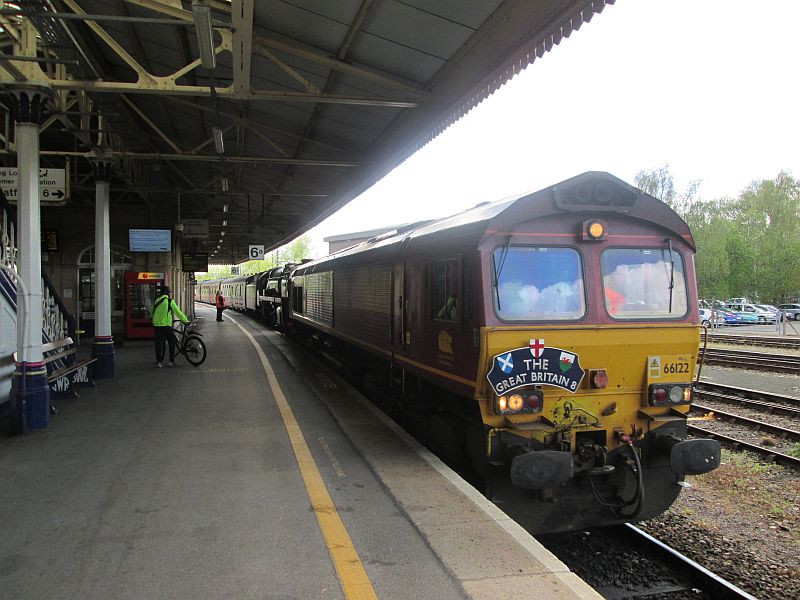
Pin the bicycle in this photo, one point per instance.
(190, 344)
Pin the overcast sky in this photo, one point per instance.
(708, 87)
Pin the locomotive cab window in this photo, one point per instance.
(446, 283)
(644, 283)
(538, 283)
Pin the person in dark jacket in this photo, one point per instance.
(219, 301)
(165, 310)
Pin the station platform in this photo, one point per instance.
(259, 474)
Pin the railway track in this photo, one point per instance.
(743, 359)
(636, 565)
(738, 444)
(754, 340)
(756, 424)
(761, 401)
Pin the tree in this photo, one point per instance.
(659, 183)
(769, 212)
(299, 249)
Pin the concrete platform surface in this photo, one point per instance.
(187, 483)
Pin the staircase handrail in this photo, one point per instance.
(55, 325)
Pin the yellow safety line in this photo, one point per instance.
(353, 578)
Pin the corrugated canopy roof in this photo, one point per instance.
(316, 100)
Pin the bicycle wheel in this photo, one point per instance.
(195, 350)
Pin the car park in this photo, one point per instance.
(751, 310)
(792, 311)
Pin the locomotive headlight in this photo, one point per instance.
(593, 230)
(668, 394)
(675, 395)
(524, 401)
(516, 402)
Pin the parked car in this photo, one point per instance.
(773, 309)
(746, 318)
(790, 310)
(761, 315)
(718, 316)
(741, 317)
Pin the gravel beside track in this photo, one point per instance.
(614, 570)
(742, 521)
(747, 433)
(728, 556)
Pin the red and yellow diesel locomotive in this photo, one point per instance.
(555, 332)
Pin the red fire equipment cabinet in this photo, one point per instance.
(140, 293)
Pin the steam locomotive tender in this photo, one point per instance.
(554, 332)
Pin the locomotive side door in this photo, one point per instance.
(399, 308)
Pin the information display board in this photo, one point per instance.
(150, 240)
(195, 261)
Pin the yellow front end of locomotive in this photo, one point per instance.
(557, 381)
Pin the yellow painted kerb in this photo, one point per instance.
(353, 578)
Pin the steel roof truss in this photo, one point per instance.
(242, 23)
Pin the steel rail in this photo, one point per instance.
(752, 360)
(703, 579)
(705, 385)
(782, 432)
(737, 444)
(763, 401)
(767, 407)
(755, 340)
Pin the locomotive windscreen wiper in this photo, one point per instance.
(671, 274)
(498, 269)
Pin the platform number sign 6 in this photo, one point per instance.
(256, 252)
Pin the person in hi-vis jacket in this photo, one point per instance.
(165, 310)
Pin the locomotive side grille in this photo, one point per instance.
(319, 299)
(363, 302)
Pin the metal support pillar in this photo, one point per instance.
(103, 347)
(30, 392)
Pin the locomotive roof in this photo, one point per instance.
(592, 191)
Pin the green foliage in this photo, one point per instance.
(746, 246)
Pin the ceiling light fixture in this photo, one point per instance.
(225, 185)
(224, 208)
(219, 143)
(223, 233)
(205, 34)
(224, 222)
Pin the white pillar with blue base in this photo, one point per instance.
(30, 392)
(103, 347)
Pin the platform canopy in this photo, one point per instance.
(267, 115)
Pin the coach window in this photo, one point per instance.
(446, 281)
(644, 283)
(533, 283)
